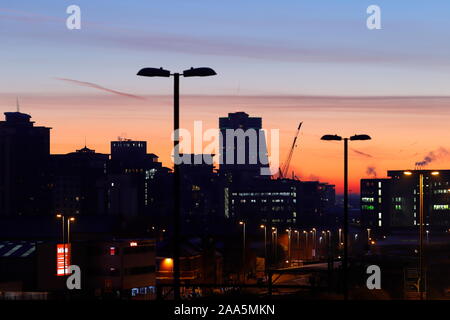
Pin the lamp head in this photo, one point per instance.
(330, 137)
(154, 72)
(360, 137)
(199, 72)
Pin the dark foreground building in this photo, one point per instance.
(24, 160)
(394, 202)
(116, 268)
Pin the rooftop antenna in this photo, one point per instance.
(85, 141)
(17, 104)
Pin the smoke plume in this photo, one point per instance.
(433, 156)
(371, 171)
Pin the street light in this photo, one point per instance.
(242, 223)
(289, 243)
(314, 243)
(71, 219)
(263, 226)
(306, 244)
(192, 72)
(61, 216)
(275, 242)
(421, 222)
(356, 137)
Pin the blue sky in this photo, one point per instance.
(285, 61)
(258, 47)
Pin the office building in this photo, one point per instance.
(395, 202)
(24, 158)
(243, 149)
(79, 182)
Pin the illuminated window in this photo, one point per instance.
(441, 207)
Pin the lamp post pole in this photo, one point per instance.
(176, 186)
(289, 246)
(345, 260)
(306, 245)
(63, 220)
(335, 137)
(421, 281)
(263, 226)
(243, 247)
(421, 227)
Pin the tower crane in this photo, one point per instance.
(283, 172)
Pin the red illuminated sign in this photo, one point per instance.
(62, 259)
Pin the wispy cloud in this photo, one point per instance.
(274, 49)
(362, 153)
(99, 87)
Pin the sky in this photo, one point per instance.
(285, 61)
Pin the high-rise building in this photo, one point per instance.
(128, 154)
(137, 182)
(243, 149)
(24, 155)
(78, 182)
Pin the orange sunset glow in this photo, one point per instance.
(403, 129)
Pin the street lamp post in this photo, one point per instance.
(289, 245)
(71, 219)
(306, 244)
(263, 226)
(61, 216)
(275, 241)
(63, 220)
(330, 137)
(421, 225)
(160, 72)
(314, 242)
(298, 245)
(242, 223)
